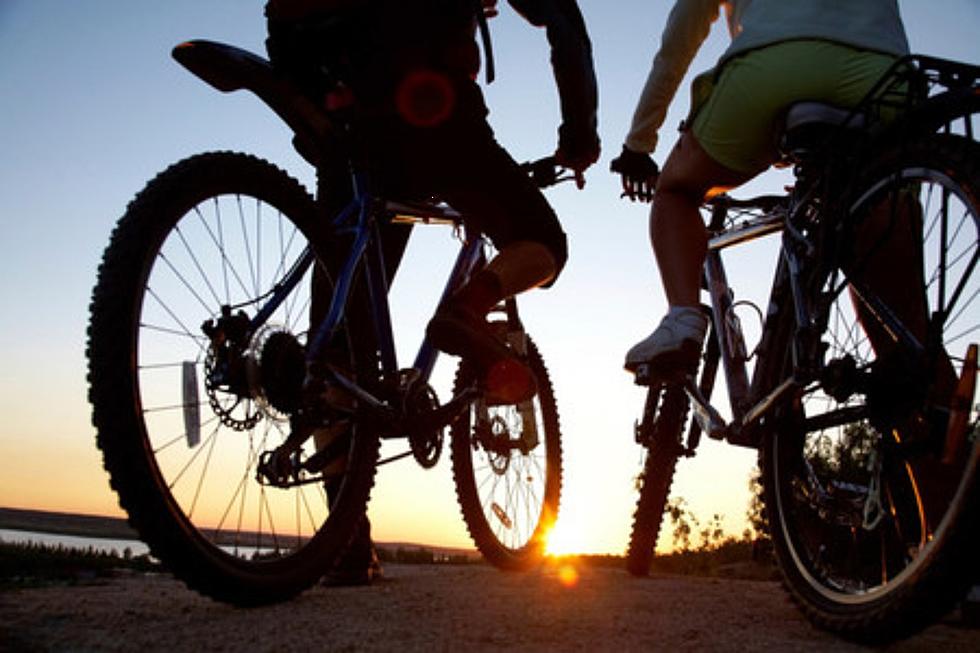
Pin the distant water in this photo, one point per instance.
(70, 541)
(108, 545)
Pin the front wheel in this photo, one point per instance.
(189, 388)
(507, 468)
(664, 415)
(870, 478)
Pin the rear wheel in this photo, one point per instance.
(870, 481)
(507, 468)
(187, 396)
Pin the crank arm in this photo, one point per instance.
(710, 421)
(445, 414)
(367, 399)
(755, 413)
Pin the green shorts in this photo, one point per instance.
(739, 121)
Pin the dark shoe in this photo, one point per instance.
(360, 564)
(461, 332)
(348, 574)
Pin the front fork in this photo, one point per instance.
(491, 431)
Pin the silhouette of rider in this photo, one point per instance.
(410, 69)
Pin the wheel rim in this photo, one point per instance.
(229, 250)
(868, 502)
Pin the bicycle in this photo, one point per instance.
(241, 434)
(861, 400)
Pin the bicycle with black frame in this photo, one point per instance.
(861, 399)
(242, 436)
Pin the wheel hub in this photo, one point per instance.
(281, 368)
(493, 436)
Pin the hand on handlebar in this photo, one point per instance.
(576, 166)
(548, 172)
(639, 174)
(578, 148)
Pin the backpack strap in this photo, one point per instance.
(481, 21)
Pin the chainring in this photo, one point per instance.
(426, 444)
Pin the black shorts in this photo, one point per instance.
(462, 163)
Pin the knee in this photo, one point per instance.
(557, 245)
(673, 186)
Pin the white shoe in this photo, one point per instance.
(675, 342)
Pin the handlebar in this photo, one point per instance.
(547, 172)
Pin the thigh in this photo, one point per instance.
(470, 170)
(497, 197)
(692, 172)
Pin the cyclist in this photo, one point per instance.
(410, 68)
(782, 51)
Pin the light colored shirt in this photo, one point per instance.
(865, 24)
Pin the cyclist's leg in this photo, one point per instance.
(680, 243)
(890, 234)
(677, 232)
(887, 260)
(497, 198)
(359, 564)
(732, 139)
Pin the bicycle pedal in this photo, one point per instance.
(646, 374)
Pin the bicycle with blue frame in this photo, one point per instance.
(861, 399)
(241, 435)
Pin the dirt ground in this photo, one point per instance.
(438, 608)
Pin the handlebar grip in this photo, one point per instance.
(543, 172)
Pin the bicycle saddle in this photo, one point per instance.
(807, 124)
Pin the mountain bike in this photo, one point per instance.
(861, 398)
(240, 432)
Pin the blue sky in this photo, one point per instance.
(93, 106)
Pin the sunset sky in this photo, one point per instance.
(93, 106)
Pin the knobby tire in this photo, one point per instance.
(670, 404)
(280, 567)
(938, 572)
(529, 483)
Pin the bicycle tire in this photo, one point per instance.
(170, 264)
(510, 510)
(874, 534)
(667, 408)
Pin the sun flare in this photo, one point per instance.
(566, 538)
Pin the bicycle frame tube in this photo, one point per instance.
(283, 289)
(468, 259)
(295, 275)
(367, 247)
(324, 331)
(729, 336)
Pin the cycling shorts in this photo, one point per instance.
(738, 123)
(462, 163)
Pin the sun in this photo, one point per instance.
(567, 537)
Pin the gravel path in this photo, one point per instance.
(438, 608)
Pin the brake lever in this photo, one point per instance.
(547, 172)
